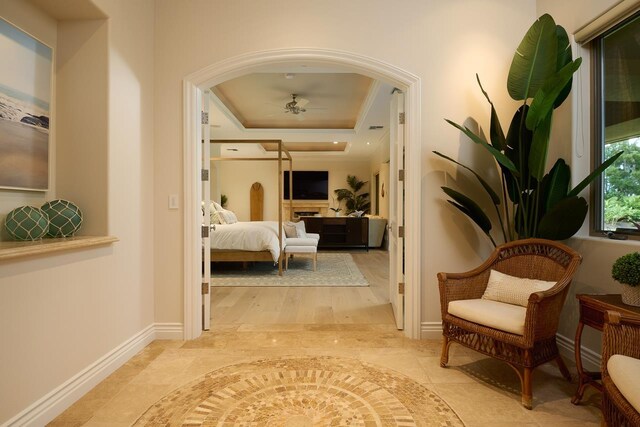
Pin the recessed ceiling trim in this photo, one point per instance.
(226, 111)
(367, 104)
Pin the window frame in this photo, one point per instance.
(597, 136)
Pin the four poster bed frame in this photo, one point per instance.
(248, 256)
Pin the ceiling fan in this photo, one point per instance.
(296, 105)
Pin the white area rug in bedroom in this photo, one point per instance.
(334, 269)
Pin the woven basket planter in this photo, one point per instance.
(631, 295)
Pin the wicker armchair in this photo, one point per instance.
(534, 259)
(621, 335)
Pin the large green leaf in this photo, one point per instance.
(495, 131)
(470, 208)
(534, 60)
(499, 156)
(564, 57)
(518, 147)
(556, 184)
(593, 175)
(494, 196)
(564, 219)
(545, 98)
(540, 148)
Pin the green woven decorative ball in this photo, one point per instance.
(65, 218)
(27, 223)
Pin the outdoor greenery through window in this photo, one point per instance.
(617, 90)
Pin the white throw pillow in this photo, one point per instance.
(290, 229)
(513, 290)
(228, 217)
(300, 228)
(216, 206)
(216, 218)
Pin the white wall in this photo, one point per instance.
(445, 43)
(237, 177)
(62, 313)
(571, 140)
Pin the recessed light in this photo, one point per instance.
(335, 142)
(232, 149)
(368, 143)
(289, 76)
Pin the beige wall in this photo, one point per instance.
(572, 141)
(62, 313)
(444, 43)
(236, 179)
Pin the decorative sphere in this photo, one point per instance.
(65, 218)
(27, 223)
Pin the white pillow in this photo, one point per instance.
(290, 229)
(228, 217)
(216, 218)
(513, 290)
(216, 206)
(301, 230)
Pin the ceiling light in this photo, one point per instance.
(289, 76)
(232, 149)
(335, 142)
(368, 143)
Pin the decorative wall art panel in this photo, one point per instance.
(25, 94)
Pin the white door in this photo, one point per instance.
(206, 218)
(396, 208)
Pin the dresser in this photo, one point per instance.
(338, 232)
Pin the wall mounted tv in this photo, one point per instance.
(308, 185)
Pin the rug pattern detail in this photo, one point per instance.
(297, 392)
(334, 269)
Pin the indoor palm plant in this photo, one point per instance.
(626, 270)
(353, 200)
(531, 203)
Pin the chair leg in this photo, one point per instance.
(563, 368)
(527, 394)
(444, 356)
(315, 261)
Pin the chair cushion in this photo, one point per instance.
(625, 372)
(313, 236)
(513, 290)
(301, 241)
(493, 314)
(300, 249)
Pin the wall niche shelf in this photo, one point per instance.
(10, 250)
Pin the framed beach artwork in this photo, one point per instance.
(25, 94)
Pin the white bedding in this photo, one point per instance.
(248, 236)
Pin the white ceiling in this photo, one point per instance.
(319, 87)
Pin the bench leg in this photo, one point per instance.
(286, 262)
(315, 261)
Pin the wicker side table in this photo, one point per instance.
(592, 309)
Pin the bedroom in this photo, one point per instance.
(336, 126)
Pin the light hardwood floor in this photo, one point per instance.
(310, 305)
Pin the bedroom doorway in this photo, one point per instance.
(196, 83)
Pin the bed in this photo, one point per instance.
(246, 241)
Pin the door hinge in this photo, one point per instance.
(204, 174)
(204, 117)
(401, 118)
(401, 288)
(205, 288)
(401, 175)
(401, 231)
(205, 231)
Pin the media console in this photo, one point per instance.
(339, 231)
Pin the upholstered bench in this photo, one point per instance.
(302, 245)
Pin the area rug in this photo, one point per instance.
(313, 391)
(334, 269)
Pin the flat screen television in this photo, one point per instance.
(308, 185)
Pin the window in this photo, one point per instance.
(617, 127)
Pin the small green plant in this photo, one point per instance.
(223, 200)
(626, 269)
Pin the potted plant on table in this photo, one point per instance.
(626, 270)
(353, 200)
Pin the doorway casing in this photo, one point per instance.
(243, 64)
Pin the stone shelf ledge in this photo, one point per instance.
(10, 250)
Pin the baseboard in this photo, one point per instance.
(590, 359)
(54, 403)
(431, 330)
(169, 331)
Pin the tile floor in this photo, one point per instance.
(482, 391)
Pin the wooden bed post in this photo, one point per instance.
(290, 187)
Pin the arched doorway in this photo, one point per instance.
(195, 83)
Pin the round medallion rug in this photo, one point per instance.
(301, 392)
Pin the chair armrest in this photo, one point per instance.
(543, 312)
(620, 335)
(458, 286)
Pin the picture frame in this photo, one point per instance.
(26, 76)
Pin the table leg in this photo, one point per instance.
(583, 378)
